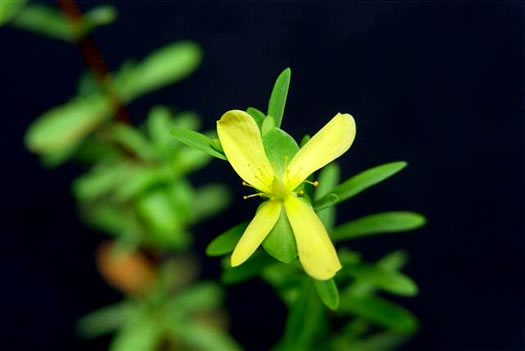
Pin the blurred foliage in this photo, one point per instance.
(136, 189)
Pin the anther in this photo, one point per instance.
(315, 184)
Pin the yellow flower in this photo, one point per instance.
(241, 140)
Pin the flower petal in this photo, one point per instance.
(316, 251)
(333, 140)
(242, 143)
(257, 230)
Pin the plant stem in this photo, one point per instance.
(94, 59)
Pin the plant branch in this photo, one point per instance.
(94, 59)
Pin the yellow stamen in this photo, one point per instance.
(252, 195)
(315, 184)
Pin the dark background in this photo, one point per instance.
(438, 84)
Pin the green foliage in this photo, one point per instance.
(358, 183)
(66, 126)
(9, 9)
(280, 242)
(225, 242)
(52, 23)
(197, 140)
(278, 97)
(380, 223)
(105, 320)
(328, 293)
(328, 179)
(257, 115)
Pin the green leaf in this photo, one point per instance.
(132, 140)
(278, 97)
(360, 182)
(9, 9)
(267, 125)
(104, 320)
(328, 179)
(44, 20)
(388, 280)
(141, 333)
(158, 210)
(380, 223)
(196, 140)
(99, 16)
(257, 115)
(66, 125)
(304, 320)
(280, 243)
(209, 200)
(200, 297)
(379, 342)
(165, 66)
(328, 293)
(280, 148)
(394, 261)
(380, 312)
(249, 269)
(225, 242)
(199, 336)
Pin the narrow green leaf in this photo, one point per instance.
(9, 9)
(141, 333)
(196, 140)
(362, 181)
(278, 97)
(380, 342)
(267, 125)
(225, 242)
(249, 269)
(132, 140)
(304, 320)
(280, 148)
(388, 280)
(99, 16)
(328, 179)
(66, 125)
(167, 65)
(380, 311)
(327, 201)
(44, 20)
(280, 243)
(380, 223)
(199, 336)
(200, 297)
(104, 320)
(257, 115)
(328, 293)
(393, 261)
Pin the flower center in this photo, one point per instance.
(279, 190)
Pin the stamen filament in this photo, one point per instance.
(252, 195)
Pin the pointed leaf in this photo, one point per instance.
(210, 199)
(225, 242)
(199, 336)
(328, 293)
(378, 277)
(380, 223)
(362, 181)
(104, 320)
(196, 140)
(380, 311)
(249, 269)
(280, 243)
(280, 148)
(267, 125)
(278, 97)
(44, 20)
(328, 179)
(257, 115)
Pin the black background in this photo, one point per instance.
(438, 84)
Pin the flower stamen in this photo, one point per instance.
(315, 184)
(252, 195)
